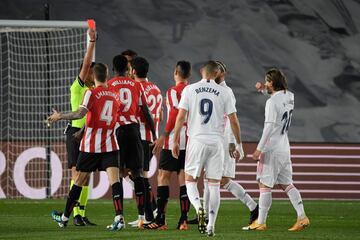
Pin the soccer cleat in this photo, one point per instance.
(156, 225)
(87, 222)
(300, 224)
(201, 221)
(78, 221)
(182, 225)
(56, 216)
(117, 225)
(254, 215)
(256, 226)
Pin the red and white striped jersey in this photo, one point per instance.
(154, 102)
(130, 98)
(173, 96)
(101, 121)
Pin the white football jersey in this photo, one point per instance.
(206, 103)
(229, 136)
(278, 110)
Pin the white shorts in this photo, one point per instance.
(274, 168)
(229, 163)
(208, 156)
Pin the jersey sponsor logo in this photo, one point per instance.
(207, 89)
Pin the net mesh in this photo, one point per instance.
(37, 69)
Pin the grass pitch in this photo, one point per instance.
(30, 219)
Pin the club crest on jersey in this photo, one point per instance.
(207, 89)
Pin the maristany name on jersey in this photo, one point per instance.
(207, 89)
(105, 93)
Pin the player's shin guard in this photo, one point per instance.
(265, 201)
(140, 194)
(149, 216)
(184, 202)
(162, 200)
(214, 202)
(206, 198)
(296, 200)
(73, 196)
(118, 196)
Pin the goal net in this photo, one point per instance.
(39, 61)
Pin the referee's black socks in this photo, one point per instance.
(73, 196)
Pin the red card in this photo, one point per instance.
(91, 23)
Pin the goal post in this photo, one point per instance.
(39, 60)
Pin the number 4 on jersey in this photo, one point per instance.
(106, 112)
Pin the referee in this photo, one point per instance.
(83, 82)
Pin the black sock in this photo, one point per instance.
(148, 206)
(118, 197)
(184, 202)
(162, 199)
(72, 199)
(140, 194)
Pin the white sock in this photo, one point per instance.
(214, 203)
(239, 192)
(265, 200)
(206, 197)
(193, 194)
(63, 218)
(296, 201)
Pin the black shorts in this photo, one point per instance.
(131, 150)
(90, 162)
(169, 163)
(147, 154)
(72, 146)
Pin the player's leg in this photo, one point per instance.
(162, 200)
(73, 196)
(239, 192)
(84, 196)
(213, 173)
(285, 182)
(184, 199)
(266, 174)
(149, 215)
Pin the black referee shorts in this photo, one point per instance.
(90, 162)
(147, 154)
(72, 147)
(131, 150)
(169, 163)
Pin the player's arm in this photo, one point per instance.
(235, 127)
(149, 119)
(269, 124)
(56, 116)
(180, 120)
(88, 55)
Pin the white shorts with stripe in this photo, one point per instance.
(229, 162)
(274, 168)
(201, 155)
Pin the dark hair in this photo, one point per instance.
(120, 64)
(277, 78)
(141, 66)
(100, 72)
(210, 67)
(129, 52)
(222, 66)
(183, 68)
(91, 65)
